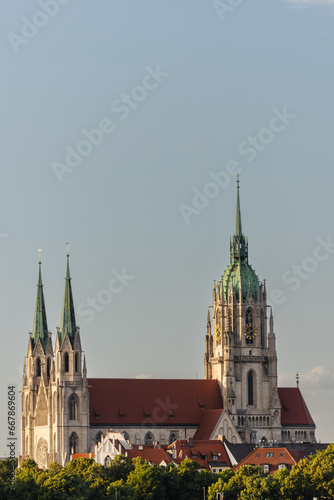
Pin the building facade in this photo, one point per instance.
(241, 353)
(64, 413)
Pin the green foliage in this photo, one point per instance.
(147, 480)
(84, 479)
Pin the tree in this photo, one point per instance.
(147, 480)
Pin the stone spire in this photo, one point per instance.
(40, 328)
(67, 323)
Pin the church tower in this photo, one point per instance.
(70, 395)
(240, 349)
(36, 415)
(55, 400)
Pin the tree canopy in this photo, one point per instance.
(136, 479)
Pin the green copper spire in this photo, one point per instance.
(40, 329)
(239, 246)
(238, 229)
(67, 323)
(239, 272)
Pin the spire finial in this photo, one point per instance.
(238, 229)
(39, 255)
(297, 379)
(67, 248)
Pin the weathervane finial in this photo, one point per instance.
(297, 379)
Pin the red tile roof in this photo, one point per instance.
(261, 456)
(208, 422)
(146, 452)
(150, 401)
(294, 410)
(202, 452)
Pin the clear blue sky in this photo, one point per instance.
(206, 86)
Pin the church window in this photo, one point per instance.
(173, 437)
(249, 317)
(98, 437)
(126, 436)
(149, 438)
(73, 443)
(76, 362)
(48, 367)
(38, 367)
(66, 363)
(73, 407)
(107, 461)
(250, 388)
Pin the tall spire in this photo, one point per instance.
(239, 245)
(238, 228)
(40, 328)
(67, 323)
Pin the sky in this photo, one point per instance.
(123, 126)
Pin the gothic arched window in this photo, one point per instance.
(126, 436)
(98, 437)
(107, 461)
(249, 316)
(38, 367)
(48, 367)
(73, 407)
(149, 438)
(250, 385)
(73, 443)
(76, 362)
(66, 362)
(173, 437)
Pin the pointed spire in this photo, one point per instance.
(271, 322)
(84, 369)
(238, 228)
(239, 245)
(67, 323)
(40, 328)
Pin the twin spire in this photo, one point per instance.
(40, 329)
(67, 324)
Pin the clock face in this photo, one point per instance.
(250, 331)
(218, 332)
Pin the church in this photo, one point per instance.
(64, 412)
